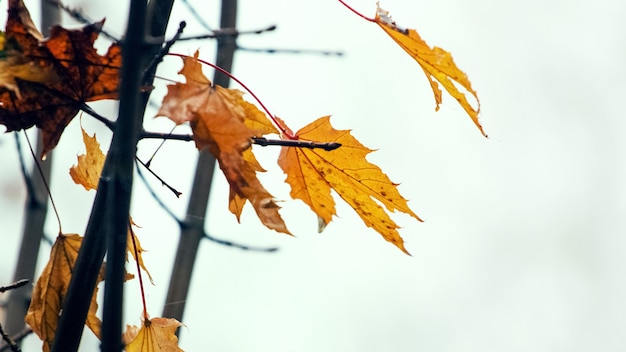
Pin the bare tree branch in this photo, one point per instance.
(193, 232)
(229, 32)
(13, 286)
(17, 338)
(291, 51)
(80, 17)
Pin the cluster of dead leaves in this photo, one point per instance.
(157, 334)
(45, 82)
(51, 287)
(222, 121)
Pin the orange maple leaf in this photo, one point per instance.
(51, 288)
(436, 63)
(312, 173)
(256, 120)
(224, 123)
(155, 335)
(80, 73)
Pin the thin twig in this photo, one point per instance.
(164, 50)
(262, 141)
(176, 192)
(229, 32)
(45, 182)
(80, 17)
(156, 197)
(295, 143)
(172, 136)
(17, 338)
(239, 246)
(90, 111)
(197, 16)
(10, 343)
(159, 148)
(30, 189)
(206, 236)
(292, 51)
(13, 286)
(111, 125)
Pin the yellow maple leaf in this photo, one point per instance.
(51, 288)
(312, 173)
(155, 335)
(256, 120)
(436, 63)
(87, 171)
(223, 122)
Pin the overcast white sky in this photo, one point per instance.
(524, 240)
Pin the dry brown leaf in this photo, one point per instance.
(22, 35)
(312, 173)
(83, 75)
(51, 288)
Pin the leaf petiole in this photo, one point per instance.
(357, 12)
(43, 179)
(143, 295)
(282, 129)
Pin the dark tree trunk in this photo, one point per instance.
(34, 215)
(109, 219)
(192, 228)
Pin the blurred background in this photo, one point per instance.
(522, 248)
